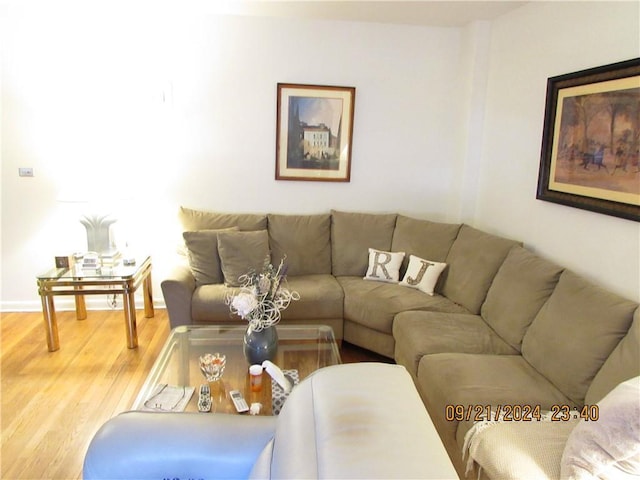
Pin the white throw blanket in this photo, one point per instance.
(606, 447)
(518, 449)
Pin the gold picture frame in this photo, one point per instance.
(591, 140)
(314, 132)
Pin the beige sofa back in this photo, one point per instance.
(472, 263)
(193, 220)
(574, 333)
(522, 285)
(352, 234)
(622, 364)
(305, 240)
(423, 238)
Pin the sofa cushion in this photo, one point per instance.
(305, 240)
(574, 333)
(321, 298)
(520, 288)
(422, 274)
(473, 260)
(352, 234)
(202, 252)
(384, 266)
(242, 252)
(608, 448)
(479, 379)
(375, 304)
(203, 220)
(423, 238)
(208, 304)
(622, 364)
(423, 333)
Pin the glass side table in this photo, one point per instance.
(117, 279)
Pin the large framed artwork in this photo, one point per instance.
(591, 139)
(313, 132)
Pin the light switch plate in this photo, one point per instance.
(25, 172)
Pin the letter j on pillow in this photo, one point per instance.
(384, 266)
(422, 274)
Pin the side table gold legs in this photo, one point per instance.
(129, 304)
(148, 297)
(50, 323)
(81, 306)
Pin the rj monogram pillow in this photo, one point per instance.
(422, 274)
(384, 266)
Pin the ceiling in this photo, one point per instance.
(453, 13)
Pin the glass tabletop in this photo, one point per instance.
(301, 351)
(102, 271)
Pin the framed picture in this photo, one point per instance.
(313, 132)
(591, 139)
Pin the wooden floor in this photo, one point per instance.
(53, 403)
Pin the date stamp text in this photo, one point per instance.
(519, 413)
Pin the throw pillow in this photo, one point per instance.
(384, 266)
(202, 253)
(241, 252)
(422, 274)
(608, 447)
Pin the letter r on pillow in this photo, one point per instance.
(423, 269)
(381, 259)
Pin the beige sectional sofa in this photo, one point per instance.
(505, 328)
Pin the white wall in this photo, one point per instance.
(186, 107)
(529, 45)
(180, 110)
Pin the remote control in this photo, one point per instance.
(204, 399)
(238, 401)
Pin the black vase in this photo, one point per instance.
(259, 346)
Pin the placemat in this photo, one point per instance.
(278, 395)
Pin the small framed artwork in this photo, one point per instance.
(313, 132)
(591, 140)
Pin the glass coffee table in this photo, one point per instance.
(301, 351)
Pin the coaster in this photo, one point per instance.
(278, 395)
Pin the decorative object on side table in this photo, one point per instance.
(260, 301)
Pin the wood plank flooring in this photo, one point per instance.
(52, 403)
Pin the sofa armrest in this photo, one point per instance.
(178, 290)
(149, 445)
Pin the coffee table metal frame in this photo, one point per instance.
(305, 348)
(119, 279)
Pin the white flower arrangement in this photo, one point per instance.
(262, 296)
